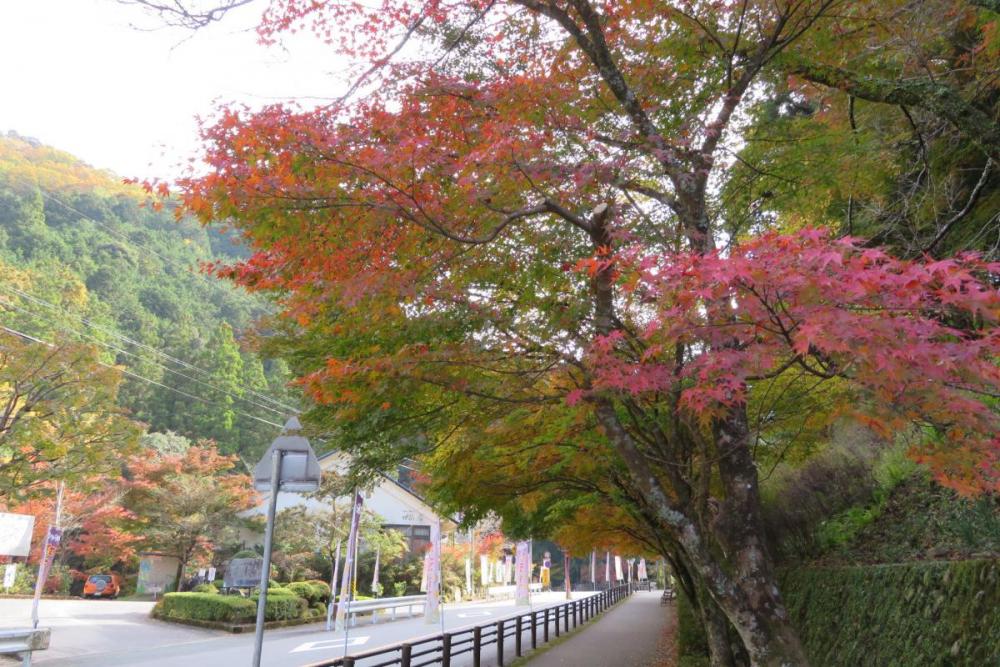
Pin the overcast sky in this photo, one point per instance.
(79, 76)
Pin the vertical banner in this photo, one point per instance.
(468, 576)
(378, 552)
(484, 570)
(432, 608)
(522, 574)
(423, 573)
(593, 567)
(618, 569)
(347, 576)
(607, 567)
(49, 548)
(333, 589)
(566, 567)
(641, 573)
(508, 568)
(211, 574)
(9, 575)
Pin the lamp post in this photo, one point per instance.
(289, 464)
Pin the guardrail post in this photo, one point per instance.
(405, 651)
(565, 617)
(446, 650)
(576, 613)
(477, 645)
(348, 661)
(534, 628)
(500, 643)
(517, 636)
(557, 619)
(545, 635)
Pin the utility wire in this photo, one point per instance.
(285, 409)
(123, 351)
(140, 246)
(21, 334)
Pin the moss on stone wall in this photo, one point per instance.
(913, 614)
(920, 614)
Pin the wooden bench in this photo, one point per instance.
(668, 595)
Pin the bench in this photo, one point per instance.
(23, 641)
(668, 595)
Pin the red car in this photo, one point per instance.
(102, 586)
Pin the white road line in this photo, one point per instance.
(329, 644)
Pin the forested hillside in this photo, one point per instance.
(82, 257)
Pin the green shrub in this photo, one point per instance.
(691, 640)
(320, 607)
(322, 588)
(306, 590)
(207, 607)
(283, 607)
(922, 613)
(205, 588)
(229, 608)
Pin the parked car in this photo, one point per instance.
(102, 586)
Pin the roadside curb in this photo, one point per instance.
(237, 628)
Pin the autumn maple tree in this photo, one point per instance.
(509, 228)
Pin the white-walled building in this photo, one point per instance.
(399, 507)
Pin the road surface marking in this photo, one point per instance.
(328, 644)
(475, 614)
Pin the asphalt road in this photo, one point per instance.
(109, 633)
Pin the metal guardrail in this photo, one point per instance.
(361, 606)
(441, 648)
(23, 641)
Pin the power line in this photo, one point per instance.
(110, 332)
(124, 237)
(21, 334)
(119, 350)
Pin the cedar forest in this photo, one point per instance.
(642, 272)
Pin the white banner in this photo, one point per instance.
(211, 574)
(618, 569)
(593, 567)
(641, 574)
(522, 573)
(9, 575)
(508, 567)
(378, 552)
(15, 534)
(484, 570)
(347, 576)
(432, 609)
(607, 567)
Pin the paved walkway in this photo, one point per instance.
(638, 633)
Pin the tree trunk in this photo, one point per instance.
(720, 650)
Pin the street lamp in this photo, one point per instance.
(289, 464)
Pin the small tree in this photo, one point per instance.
(184, 502)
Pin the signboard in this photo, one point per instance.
(211, 574)
(9, 575)
(243, 573)
(15, 534)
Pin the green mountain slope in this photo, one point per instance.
(82, 257)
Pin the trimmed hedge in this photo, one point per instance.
(924, 613)
(281, 606)
(207, 607)
(313, 591)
